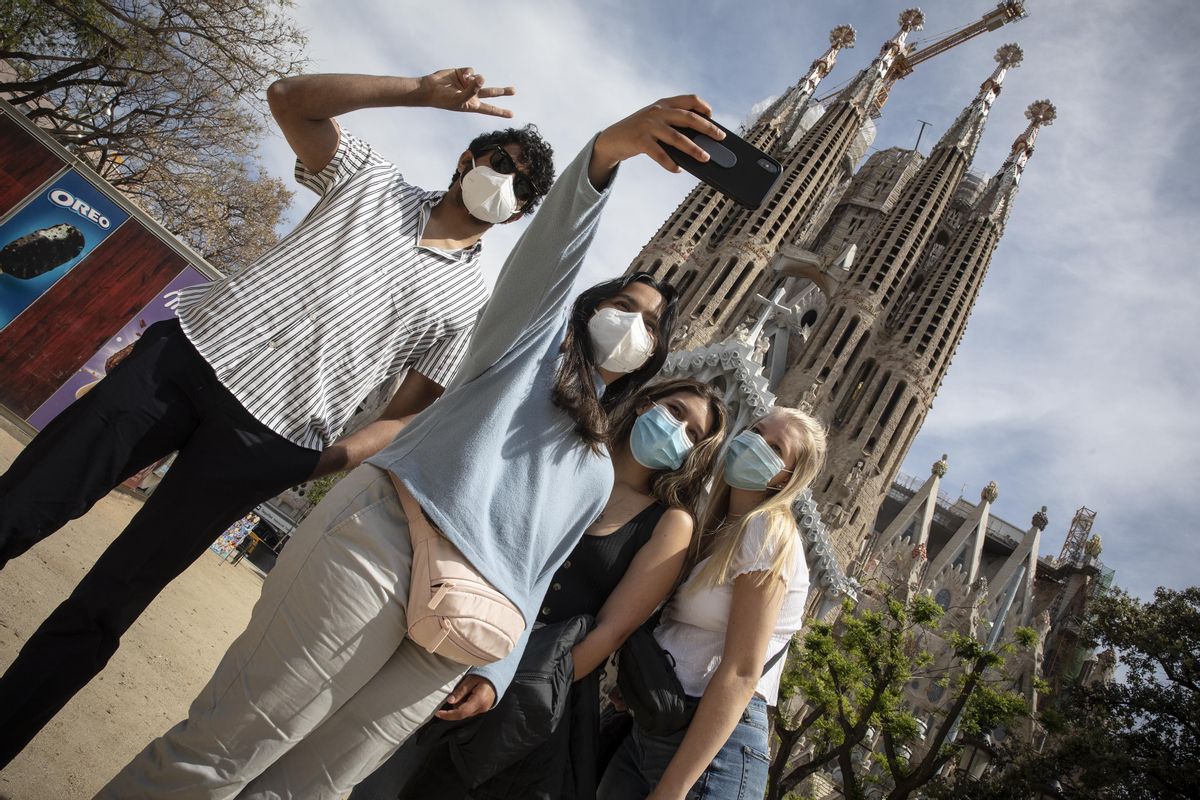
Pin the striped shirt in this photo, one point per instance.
(344, 302)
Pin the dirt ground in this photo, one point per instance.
(164, 659)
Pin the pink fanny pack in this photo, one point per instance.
(454, 611)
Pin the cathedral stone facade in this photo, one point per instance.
(856, 282)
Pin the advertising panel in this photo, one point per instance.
(82, 271)
(55, 230)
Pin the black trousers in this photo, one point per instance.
(163, 397)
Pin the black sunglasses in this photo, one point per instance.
(523, 186)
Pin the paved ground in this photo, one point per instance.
(163, 661)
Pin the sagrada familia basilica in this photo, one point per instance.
(846, 294)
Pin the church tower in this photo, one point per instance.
(883, 406)
(851, 373)
(715, 252)
(931, 321)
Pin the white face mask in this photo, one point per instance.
(620, 340)
(489, 195)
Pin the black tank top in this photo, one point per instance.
(596, 566)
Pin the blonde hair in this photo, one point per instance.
(683, 487)
(720, 540)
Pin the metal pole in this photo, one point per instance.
(921, 132)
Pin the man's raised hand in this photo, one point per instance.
(461, 89)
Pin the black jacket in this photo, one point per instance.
(539, 742)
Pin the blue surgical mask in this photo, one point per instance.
(659, 441)
(750, 463)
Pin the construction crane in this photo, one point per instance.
(1007, 11)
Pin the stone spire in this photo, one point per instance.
(996, 201)
(863, 90)
(966, 131)
(901, 239)
(934, 320)
(777, 124)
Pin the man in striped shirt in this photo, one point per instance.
(255, 380)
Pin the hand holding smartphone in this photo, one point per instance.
(735, 167)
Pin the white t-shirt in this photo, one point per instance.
(694, 623)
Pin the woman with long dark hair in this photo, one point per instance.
(501, 476)
(729, 625)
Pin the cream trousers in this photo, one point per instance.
(323, 685)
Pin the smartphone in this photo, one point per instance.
(735, 167)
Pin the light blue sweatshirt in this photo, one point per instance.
(495, 464)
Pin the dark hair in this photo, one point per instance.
(574, 391)
(537, 157)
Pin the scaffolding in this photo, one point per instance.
(1077, 536)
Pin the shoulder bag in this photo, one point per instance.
(649, 686)
(453, 611)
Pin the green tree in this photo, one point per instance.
(317, 489)
(165, 99)
(851, 676)
(1134, 737)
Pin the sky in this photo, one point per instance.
(1076, 382)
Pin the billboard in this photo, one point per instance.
(54, 231)
(82, 271)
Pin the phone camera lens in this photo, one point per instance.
(769, 165)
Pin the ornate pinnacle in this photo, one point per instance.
(912, 19)
(842, 37)
(786, 111)
(1041, 112)
(1009, 55)
(990, 493)
(997, 201)
(1040, 520)
(940, 467)
(868, 90)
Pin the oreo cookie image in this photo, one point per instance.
(39, 252)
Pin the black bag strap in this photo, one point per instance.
(649, 625)
(776, 657)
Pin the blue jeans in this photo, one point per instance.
(739, 771)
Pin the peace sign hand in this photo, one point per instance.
(461, 89)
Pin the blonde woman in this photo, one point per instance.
(739, 607)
